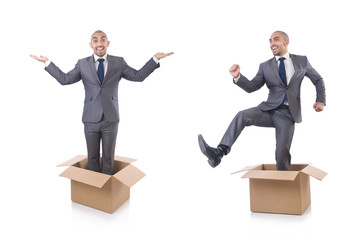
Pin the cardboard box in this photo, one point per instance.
(286, 192)
(98, 190)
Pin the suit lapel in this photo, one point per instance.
(275, 71)
(294, 63)
(109, 66)
(91, 64)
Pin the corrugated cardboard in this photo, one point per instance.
(98, 190)
(286, 192)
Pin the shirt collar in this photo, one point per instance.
(97, 57)
(287, 56)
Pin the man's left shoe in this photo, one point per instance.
(213, 155)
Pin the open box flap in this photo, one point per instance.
(124, 159)
(247, 168)
(272, 175)
(92, 178)
(314, 172)
(129, 175)
(72, 161)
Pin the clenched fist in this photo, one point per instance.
(234, 70)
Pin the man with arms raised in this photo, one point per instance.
(100, 74)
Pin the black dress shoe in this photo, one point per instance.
(214, 158)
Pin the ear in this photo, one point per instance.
(287, 42)
(108, 43)
(90, 44)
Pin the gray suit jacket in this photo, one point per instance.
(101, 99)
(268, 74)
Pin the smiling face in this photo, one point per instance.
(278, 43)
(99, 43)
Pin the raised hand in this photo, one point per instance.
(160, 55)
(40, 58)
(234, 70)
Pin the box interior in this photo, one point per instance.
(118, 165)
(294, 167)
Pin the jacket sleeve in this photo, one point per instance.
(71, 77)
(138, 75)
(256, 83)
(318, 82)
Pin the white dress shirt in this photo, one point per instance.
(105, 63)
(289, 67)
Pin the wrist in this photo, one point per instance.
(156, 60)
(47, 62)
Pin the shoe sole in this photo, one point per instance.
(202, 147)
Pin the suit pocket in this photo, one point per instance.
(88, 99)
(115, 98)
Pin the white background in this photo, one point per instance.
(181, 197)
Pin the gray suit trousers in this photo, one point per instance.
(95, 133)
(279, 118)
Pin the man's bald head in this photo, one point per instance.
(99, 32)
(283, 35)
(99, 43)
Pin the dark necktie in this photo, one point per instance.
(100, 70)
(282, 72)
